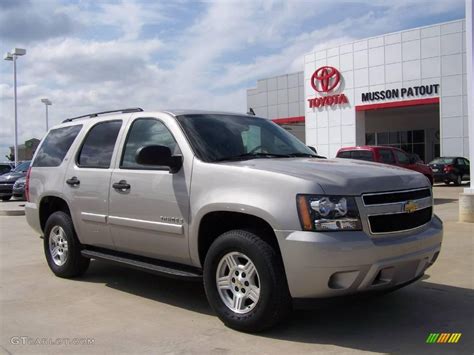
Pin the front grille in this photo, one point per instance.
(394, 197)
(389, 223)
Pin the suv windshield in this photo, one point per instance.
(220, 137)
(22, 167)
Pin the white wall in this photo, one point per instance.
(421, 56)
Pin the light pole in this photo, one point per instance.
(46, 104)
(12, 56)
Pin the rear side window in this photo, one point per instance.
(362, 155)
(344, 155)
(98, 147)
(386, 156)
(55, 146)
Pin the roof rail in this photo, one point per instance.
(91, 115)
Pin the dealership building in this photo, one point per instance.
(406, 89)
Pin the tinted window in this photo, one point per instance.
(402, 157)
(97, 149)
(346, 154)
(56, 145)
(386, 156)
(442, 161)
(145, 132)
(5, 168)
(460, 161)
(219, 137)
(466, 162)
(362, 155)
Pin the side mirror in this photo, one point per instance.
(313, 149)
(158, 155)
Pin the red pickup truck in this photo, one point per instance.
(386, 155)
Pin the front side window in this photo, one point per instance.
(402, 157)
(219, 137)
(386, 156)
(142, 133)
(98, 147)
(55, 146)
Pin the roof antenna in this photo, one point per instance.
(251, 112)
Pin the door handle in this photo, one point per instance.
(74, 181)
(122, 185)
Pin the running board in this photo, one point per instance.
(163, 268)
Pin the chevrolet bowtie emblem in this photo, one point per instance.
(410, 207)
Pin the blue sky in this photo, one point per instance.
(89, 55)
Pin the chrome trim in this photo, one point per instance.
(93, 217)
(149, 225)
(394, 192)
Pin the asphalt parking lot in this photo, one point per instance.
(117, 310)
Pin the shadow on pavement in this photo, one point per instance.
(441, 201)
(395, 322)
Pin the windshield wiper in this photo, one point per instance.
(304, 155)
(253, 156)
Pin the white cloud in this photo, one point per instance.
(109, 58)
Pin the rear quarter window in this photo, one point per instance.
(55, 146)
(366, 155)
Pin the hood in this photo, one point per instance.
(342, 176)
(11, 176)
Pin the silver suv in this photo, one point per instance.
(233, 200)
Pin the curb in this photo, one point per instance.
(12, 213)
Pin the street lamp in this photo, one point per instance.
(46, 104)
(12, 56)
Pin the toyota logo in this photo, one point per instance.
(325, 79)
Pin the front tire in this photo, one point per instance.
(62, 248)
(245, 282)
(5, 198)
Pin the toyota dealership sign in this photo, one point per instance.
(326, 81)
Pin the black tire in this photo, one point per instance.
(458, 181)
(5, 198)
(274, 303)
(447, 182)
(75, 264)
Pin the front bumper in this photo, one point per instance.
(6, 189)
(320, 265)
(441, 177)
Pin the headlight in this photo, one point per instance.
(328, 213)
(18, 185)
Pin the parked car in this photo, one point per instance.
(232, 200)
(450, 169)
(7, 180)
(5, 168)
(387, 155)
(19, 188)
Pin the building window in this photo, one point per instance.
(410, 141)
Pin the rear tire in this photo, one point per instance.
(249, 302)
(5, 198)
(62, 248)
(458, 181)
